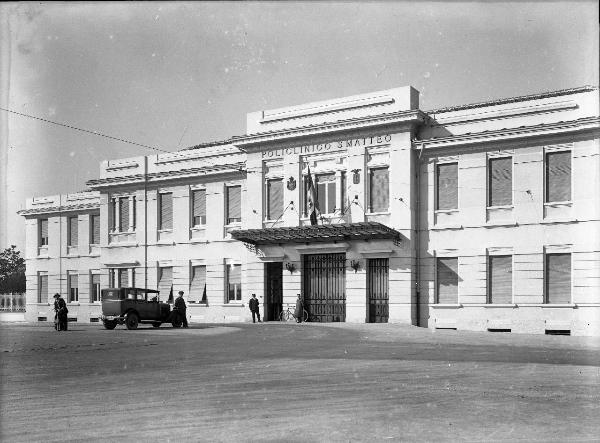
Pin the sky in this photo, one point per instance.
(175, 74)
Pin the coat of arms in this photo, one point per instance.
(291, 184)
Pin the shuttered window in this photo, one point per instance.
(73, 283)
(43, 230)
(198, 284)
(558, 176)
(500, 181)
(234, 208)
(42, 288)
(379, 190)
(95, 229)
(500, 279)
(113, 215)
(73, 231)
(124, 214)
(123, 278)
(447, 186)
(165, 280)
(558, 278)
(95, 288)
(447, 280)
(166, 211)
(325, 186)
(274, 199)
(199, 207)
(234, 283)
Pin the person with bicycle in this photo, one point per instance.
(299, 311)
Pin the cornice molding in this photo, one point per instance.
(65, 208)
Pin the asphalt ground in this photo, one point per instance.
(290, 382)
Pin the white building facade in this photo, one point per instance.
(478, 217)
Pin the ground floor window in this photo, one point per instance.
(73, 287)
(165, 281)
(42, 287)
(234, 283)
(94, 288)
(558, 278)
(500, 279)
(447, 280)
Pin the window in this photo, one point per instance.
(234, 283)
(500, 279)
(72, 224)
(94, 288)
(73, 287)
(165, 280)
(199, 207)
(42, 287)
(500, 181)
(123, 214)
(120, 277)
(274, 199)
(165, 204)
(558, 176)
(234, 201)
(198, 285)
(447, 280)
(94, 229)
(558, 278)
(325, 186)
(379, 190)
(43, 232)
(447, 186)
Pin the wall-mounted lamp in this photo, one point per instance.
(290, 267)
(355, 264)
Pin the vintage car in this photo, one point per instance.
(131, 306)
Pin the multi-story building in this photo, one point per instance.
(482, 217)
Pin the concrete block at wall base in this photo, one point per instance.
(12, 316)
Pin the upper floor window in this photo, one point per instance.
(94, 229)
(325, 186)
(43, 232)
(234, 283)
(558, 278)
(122, 214)
(447, 280)
(121, 277)
(500, 279)
(558, 176)
(165, 211)
(447, 186)
(234, 204)
(199, 207)
(274, 199)
(500, 181)
(379, 190)
(72, 227)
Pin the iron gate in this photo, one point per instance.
(377, 290)
(325, 287)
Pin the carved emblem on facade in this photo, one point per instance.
(291, 184)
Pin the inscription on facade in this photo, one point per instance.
(324, 147)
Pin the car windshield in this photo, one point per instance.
(111, 294)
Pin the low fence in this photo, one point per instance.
(12, 302)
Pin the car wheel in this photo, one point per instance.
(109, 324)
(156, 324)
(132, 321)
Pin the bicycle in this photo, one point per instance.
(288, 315)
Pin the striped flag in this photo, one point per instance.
(312, 203)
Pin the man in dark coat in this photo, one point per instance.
(299, 311)
(254, 308)
(181, 308)
(60, 307)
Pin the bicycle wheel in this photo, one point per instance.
(285, 315)
(305, 315)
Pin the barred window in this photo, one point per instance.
(165, 211)
(379, 190)
(500, 182)
(500, 279)
(558, 176)
(199, 207)
(447, 186)
(447, 280)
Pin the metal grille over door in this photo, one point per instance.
(325, 287)
(377, 290)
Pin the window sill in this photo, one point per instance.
(198, 228)
(123, 245)
(446, 305)
(379, 213)
(164, 231)
(499, 207)
(201, 241)
(558, 221)
(198, 304)
(165, 243)
(45, 256)
(446, 211)
(501, 225)
(233, 305)
(447, 227)
(500, 305)
(559, 204)
(548, 305)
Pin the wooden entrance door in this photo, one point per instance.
(325, 287)
(273, 290)
(377, 289)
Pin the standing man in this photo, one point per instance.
(60, 308)
(299, 311)
(254, 308)
(181, 308)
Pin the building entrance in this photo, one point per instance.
(273, 290)
(377, 289)
(325, 287)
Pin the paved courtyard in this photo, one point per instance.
(289, 382)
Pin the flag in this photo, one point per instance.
(312, 204)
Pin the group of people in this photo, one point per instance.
(253, 305)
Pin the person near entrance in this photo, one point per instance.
(299, 311)
(181, 308)
(60, 307)
(254, 308)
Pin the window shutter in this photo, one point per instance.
(275, 199)
(380, 190)
(43, 232)
(558, 278)
(43, 289)
(165, 281)
(500, 279)
(234, 210)
(447, 280)
(500, 181)
(73, 287)
(199, 202)
(198, 285)
(95, 229)
(447, 186)
(558, 176)
(166, 211)
(95, 289)
(73, 234)
(123, 277)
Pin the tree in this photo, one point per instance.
(12, 271)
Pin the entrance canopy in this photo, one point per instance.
(318, 233)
